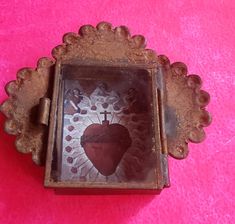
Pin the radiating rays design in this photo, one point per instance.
(75, 164)
(78, 166)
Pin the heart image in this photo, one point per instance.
(105, 144)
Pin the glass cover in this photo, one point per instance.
(107, 126)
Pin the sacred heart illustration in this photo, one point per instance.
(105, 144)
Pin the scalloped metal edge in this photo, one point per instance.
(136, 44)
(202, 118)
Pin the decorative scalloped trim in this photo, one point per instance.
(110, 45)
(189, 110)
(24, 94)
(89, 43)
(104, 43)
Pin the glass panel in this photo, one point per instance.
(108, 129)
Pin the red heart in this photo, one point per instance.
(105, 144)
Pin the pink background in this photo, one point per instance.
(199, 33)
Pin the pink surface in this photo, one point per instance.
(199, 33)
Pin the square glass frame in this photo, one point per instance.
(95, 95)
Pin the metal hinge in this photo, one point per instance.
(165, 170)
(44, 111)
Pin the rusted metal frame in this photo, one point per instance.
(57, 108)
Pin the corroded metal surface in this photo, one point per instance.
(185, 108)
(106, 45)
(185, 114)
(21, 109)
(44, 111)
